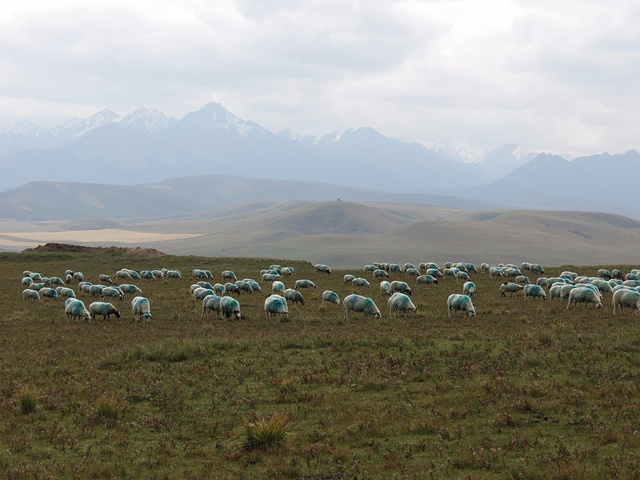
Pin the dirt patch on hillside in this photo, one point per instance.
(65, 247)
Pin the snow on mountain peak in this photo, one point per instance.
(26, 127)
(148, 120)
(215, 115)
(459, 150)
(77, 127)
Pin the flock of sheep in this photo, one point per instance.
(624, 288)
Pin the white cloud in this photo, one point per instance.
(558, 76)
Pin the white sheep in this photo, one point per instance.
(141, 307)
(462, 303)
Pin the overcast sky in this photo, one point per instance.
(555, 76)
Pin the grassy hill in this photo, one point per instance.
(525, 389)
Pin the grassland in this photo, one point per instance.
(524, 390)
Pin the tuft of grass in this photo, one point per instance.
(109, 407)
(264, 434)
(27, 398)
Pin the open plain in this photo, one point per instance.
(526, 389)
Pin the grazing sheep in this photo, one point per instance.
(394, 268)
(197, 273)
(510, 288)
(358, 303)
(536, 268)
(255, 286)
(555, 291)
(122, 274)
(399, 302)
(199, 293)
(511, 272)
(96, 290)
(542, 281)
(112, 292)
(370, 268)
(104, 309)
(348, 278)
(631, 276)
(175, 274)
(232, 288)
(76, 309)
(219, 289)
(534, 291)
(462, 303)
(204, 284)
(229, 307)
(210, 303)
(26, 281)
(277, 287)
(522, 280)
(68, 278)
(55, 281)
(426, 280)
(65, 292)
(270, 277)
(78, 277)
(48, 293)
(36, 286)
(303, 283)
(626, 298)
(360, 282)
(434, 272)
(384, 285)
(460, 275)
(244, 287)
(631, 283)
(469, 288)
(30, 294)
(158, 274)
(407, 266)
(141, 308)
(103, 278)
(208, 274)
(36, 277)
(484, 267)
(130, 288)
(379, 273)
(287, 271)
(602, 285)
(293, 296)
(412, 272)
(617, 274)
(398, 286)
(331, 297)
(604, 273)
(275, 305)
(450, 272)
(322, 268)
(147, 275)
(552, 280)
(429, 265)
(495, 272)
(229, 275)
(584, 295)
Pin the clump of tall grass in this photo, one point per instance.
(27, 398)
(109, 407)
(263, 434)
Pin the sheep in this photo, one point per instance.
(303, 283)
(199, 293)
(36, 286)
(197, 273)
(322, 268)
(210, 303)
(277, 287)
(270, 277)
(469, 288)
(130, 288)
(584, 295)
(542, 281)
(379, 273)
(103, 278)
(631, 283)
(78, 277)
(348, 278)
(85, 287)
(133, 274)
(76, 309)
(232, 288)
(509, 287)
(617, 274)
(255, 286)
(398, 286)
(30, 294)
(384, 285)
(552, 280)
(158, 274)
(399, 302)
(229, 275)
(450, 272)
(175, 274)
(534, 291)
(358, 303)
(229, 307)
(65, 292)
(56, 281)
(96, 290)
(569, 273)
(293, 296)
(104, 309)
(219, 289)
(429, 265)
(511, 272)
(426, 280)
(461, 266)
(604, 273)
(471, 268)
(370, 268)
(460, 275)
(26, 281)
(147, 275)
(496, 272)
(434, 272)
(36, 277)
(287, 271)
(204, 284)
(603, 285)
(484, 267)
(141, 307)
(331, 297)
(626, 298)
(360, 282)
(122, 274)
(536, 268)
(244, 287)
(556, 291)
(407, 266)
(49, 293)
(394, 268)
(275, 305)
(525, 266)
(462, 303)
(412, 272)
(112, 292)
(522, 280)
(631, 276)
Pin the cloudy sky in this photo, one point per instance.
(556, 76)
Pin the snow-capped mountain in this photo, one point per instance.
(77, 127)
(459, 150)
(148, 120)
(215, 116)
(26, 127)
